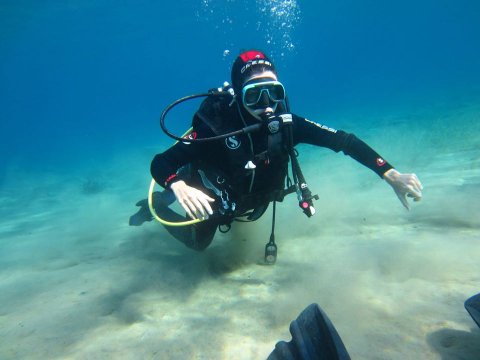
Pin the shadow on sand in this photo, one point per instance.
(456, 344)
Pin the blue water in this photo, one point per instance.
(80, 79)
(82, 85)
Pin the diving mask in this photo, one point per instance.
(253, 94)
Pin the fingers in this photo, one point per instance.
(415, 188)
(405, 185)
(198, 208)
(205, 201)
(201, 201)
(195, 208)
(186, 206)
(416, 184)
(409, 185)
(195, 203)
(414, 193)
(403, 199)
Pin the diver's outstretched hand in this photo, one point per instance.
(195, 202)
(404, 185)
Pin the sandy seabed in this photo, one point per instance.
(77, 282)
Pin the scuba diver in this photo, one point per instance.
(235, 160)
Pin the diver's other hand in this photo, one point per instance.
(195, 202)
(404, 185)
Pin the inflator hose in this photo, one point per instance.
(158, 218)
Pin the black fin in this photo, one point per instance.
(473, 307)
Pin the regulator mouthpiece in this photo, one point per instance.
(267, 114)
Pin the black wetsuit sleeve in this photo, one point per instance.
(309, 132)
(164, 166)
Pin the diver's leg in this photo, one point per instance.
(197, 236)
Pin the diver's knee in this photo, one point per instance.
(198, 244)
(201, 236)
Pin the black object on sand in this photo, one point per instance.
(473, 307)
(313, 338)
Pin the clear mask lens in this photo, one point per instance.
(254, 95)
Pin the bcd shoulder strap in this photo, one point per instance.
(217, 114)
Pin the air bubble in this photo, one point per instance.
(277, 19)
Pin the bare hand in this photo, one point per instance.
(404, 185)
(195, 202)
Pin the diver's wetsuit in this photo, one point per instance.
(231, 155)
